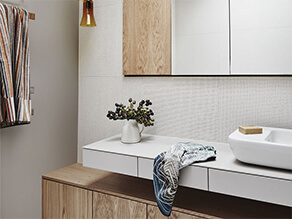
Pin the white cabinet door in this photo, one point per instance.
(261, 37)
(200, 37)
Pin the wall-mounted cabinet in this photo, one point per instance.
(207, 37)
(146, 37)
(261, 36)
(200, 37)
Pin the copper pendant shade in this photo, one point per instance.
(88, 17)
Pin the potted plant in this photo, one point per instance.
(133, 115)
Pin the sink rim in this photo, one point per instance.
(254, 149)
(274, 134)
(259, 138)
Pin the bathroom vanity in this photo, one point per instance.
(225, 175)
(81, 192)
(115, 181)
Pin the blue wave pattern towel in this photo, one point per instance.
(166, 169)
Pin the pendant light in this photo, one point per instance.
(88, 17)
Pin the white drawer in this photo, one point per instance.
(194, 177)
(110, 162)
(191, 176)
(252, 187)
(145, 168)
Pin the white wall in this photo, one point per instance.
(49, 142)
(208, 108)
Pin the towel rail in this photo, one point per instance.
(31, 16)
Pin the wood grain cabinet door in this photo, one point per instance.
(147, 37)
(62, 201)
(154, 213)
(111, 207)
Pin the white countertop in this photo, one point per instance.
(152, 145)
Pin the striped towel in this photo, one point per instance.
(166, 169)
(14, 66)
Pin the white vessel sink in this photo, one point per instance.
(272, 148)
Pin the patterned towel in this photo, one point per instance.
(14, 66)
(166, 169)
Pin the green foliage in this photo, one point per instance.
(142, 113)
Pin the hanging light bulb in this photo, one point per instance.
(88, 17)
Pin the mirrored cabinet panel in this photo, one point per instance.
(207, 37)
(200, 37)
(261, 36)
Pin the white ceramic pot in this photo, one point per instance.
(131, 132)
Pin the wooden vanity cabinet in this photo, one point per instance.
(108, 206)
(153, 212)
(147, 37)
(81, 192)
(63, 201)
